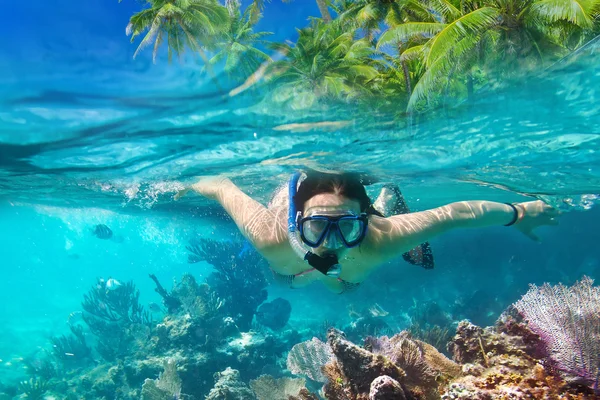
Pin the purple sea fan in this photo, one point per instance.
(567, 319)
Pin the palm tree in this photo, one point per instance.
(325, 63)
(370, 14)
(469, 35)
(236, 46)
(182, 23)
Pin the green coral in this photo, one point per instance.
(34, 388)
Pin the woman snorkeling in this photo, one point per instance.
(324, 227)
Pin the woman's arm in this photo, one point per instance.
(261, 226)
(397, 234)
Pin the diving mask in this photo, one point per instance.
(333, 230)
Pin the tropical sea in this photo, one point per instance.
(91, 138)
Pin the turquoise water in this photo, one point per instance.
(84, 143)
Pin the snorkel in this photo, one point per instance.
(327, 265)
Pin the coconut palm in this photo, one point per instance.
(182, 23)
(325, 63)
(371, 14)
(468, 35)
(237, 45)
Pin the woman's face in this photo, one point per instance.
(330, 204)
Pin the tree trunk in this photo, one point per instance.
(470, 88)
(406, 78)
(324, 10)
(409, 115)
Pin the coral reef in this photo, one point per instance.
(72, 350)
(166, 387)
(116, 318)
(308, 357)
(112, 305)
(499, 365)
(171, 302)
(201, 333)
(422, 363)
(238, 278)
(34, 388)
(495, 363)
(268, 388)
(355, 368)
(42, 368)
(229, 387)
(386, 388)
(430, 324)
(567, 319)
(367, 325)
(274, 314)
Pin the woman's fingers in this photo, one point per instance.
(180, 194)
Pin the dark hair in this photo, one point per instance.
(349, 185)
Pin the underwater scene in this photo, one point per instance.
(294, 200)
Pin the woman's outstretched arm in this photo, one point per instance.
(263, 227)
(397, 234)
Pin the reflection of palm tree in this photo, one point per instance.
(182, 23)
(468, 35)
(326, 62)
(369, 14)
(237, 44)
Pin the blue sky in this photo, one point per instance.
(66, 30)
(81, 47)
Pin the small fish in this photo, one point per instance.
(112, 284)
(154, 307)
(377, 311)
(75, 317)
(102, 231)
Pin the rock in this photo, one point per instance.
(386, 388)
(274, 314)
(359, 366)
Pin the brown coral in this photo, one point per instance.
(503, 367)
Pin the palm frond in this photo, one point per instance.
(577, 12)
(409, 30)
(471, 24)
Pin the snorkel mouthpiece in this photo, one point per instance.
(327, 265)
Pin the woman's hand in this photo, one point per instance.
(207, 186)
(533, 214)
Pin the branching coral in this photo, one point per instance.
(170, 301)
(112, 315)
(435, 335)
(34, 388)
(431, 324)
(71, 349)
(198, 300)
(121, 304)
(567, 319)
(238, 278)
(42, 368)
